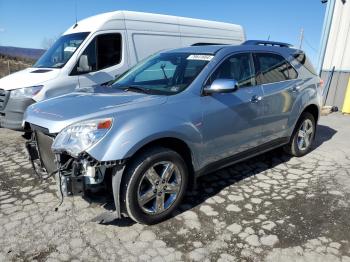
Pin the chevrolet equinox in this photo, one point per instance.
(173, 117)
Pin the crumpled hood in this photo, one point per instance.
(28, 77)
(60, 112)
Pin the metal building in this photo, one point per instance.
(334, 63)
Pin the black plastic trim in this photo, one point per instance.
(242, 156)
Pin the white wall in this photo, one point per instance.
(338, 46)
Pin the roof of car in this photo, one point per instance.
(204, 49)
(213, 49)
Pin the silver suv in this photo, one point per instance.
(173, 117)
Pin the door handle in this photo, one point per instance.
(255, 99)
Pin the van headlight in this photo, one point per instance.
(26, 92)
(78, 137)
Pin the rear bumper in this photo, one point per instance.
(11, 114)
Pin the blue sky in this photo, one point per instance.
(27, 23)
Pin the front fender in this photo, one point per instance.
(131, 133)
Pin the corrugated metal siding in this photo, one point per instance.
(338, 46)
(337, 54)
(337, 88)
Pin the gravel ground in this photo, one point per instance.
(269, 208)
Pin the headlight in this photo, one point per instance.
(79, 137)
(26, 92)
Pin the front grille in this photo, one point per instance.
(46, 155)
(3, 98)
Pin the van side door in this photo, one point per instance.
(279, 83)
(103, 59)
(231, 121)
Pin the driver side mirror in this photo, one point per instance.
(84, 64)
(222, 86)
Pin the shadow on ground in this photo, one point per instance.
(324, 134)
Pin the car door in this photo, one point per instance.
(232, 120)
(278, 80)
(104, 58)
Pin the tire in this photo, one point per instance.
(296, 147)
(145, 174)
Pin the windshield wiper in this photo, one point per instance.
(163, 69)
(136, 89)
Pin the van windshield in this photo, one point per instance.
(61, 51)
(164, 73)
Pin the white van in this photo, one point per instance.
(97, 49)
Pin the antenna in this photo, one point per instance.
(76, 16)
(301, 38)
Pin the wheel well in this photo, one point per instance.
(178, 146)
(312, 109)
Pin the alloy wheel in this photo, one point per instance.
(305, 134)
(159, 187)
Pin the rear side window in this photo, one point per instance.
(272, 68)
(302, 59)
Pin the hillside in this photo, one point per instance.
(30, 53)
(13, 59)
(11, 64)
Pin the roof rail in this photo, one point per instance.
(203, 44)
(266, 43)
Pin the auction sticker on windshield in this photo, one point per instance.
(200, 57)
(70, 49)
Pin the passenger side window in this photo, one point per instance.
(108, 50)
(90, 52)
(103, 52)
(237, 67)
(272, 68)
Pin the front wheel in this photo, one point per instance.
(303, 136)
(153, 185)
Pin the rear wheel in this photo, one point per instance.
(153, 185)
(303, 136)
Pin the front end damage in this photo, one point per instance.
(82, 175)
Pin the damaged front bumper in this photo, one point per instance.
(69, 181)
(74, 176)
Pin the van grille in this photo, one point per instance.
(3, 98)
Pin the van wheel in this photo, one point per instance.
(303, 136)
(153, 185)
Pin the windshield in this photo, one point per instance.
(164, 73)
(61, 51)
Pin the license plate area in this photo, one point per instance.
(72, 186)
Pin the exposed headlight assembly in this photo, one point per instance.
(26, 92)
(78, 137)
